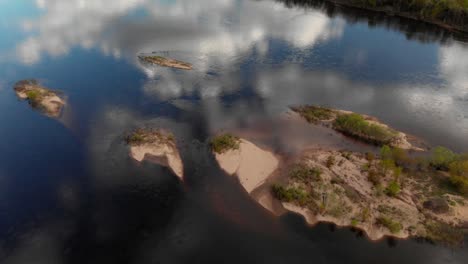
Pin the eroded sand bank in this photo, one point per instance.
(156, 146)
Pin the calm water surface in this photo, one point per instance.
(70, 194)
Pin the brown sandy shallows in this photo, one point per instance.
(381, 133)
(165, 62)
(251, 164)
(43, 99)
(158, 146)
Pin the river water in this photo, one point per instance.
(69, 193)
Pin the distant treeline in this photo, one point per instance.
(447, 14)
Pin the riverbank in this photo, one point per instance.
(451, 15)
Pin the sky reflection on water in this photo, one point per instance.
(74, 200)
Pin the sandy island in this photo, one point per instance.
(156, 146)
(165, 62)
(360, 190)
(43, 99)
(251, 164)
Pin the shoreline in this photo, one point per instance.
(406, 15)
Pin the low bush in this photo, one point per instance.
(224, 142)
(393, 189)
(303, 173)
(442, 158)
(290, 194)
(391, 225)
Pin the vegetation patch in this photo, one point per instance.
(305, 174)
(314, 114)
(166, 62)
(290, 194)
(356, 126)
(439, 232)
(393, 226)
(148, 136)
(224, 142)
(393, 189)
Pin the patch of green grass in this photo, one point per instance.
(224, 142)
(34, 96)
(356, 126)
(394, 226)
(314, 114)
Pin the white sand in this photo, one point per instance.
(250, 163)
(160, 150)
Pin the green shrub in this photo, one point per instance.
(225, 142)
(290, 194)
(393, 189)
(386, 152)
(460, 183)
(442, 158)
(393, 226)
(303, 173)
(356, 126)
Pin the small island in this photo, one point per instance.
(155, 145)
(40, 98)
(165, 62)
(251, 164)
(361, 127)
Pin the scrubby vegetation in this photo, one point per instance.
(409, 191)
(224, 142)
(148, 136)
(314, 114)
(443, 233)
(393, 226)
(303, 173)
(357, 126)
(289, 194)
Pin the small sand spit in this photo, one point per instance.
(39, 97)
(156, 146)
(250, 163)
(165, 62)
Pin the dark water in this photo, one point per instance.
(70, 194)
